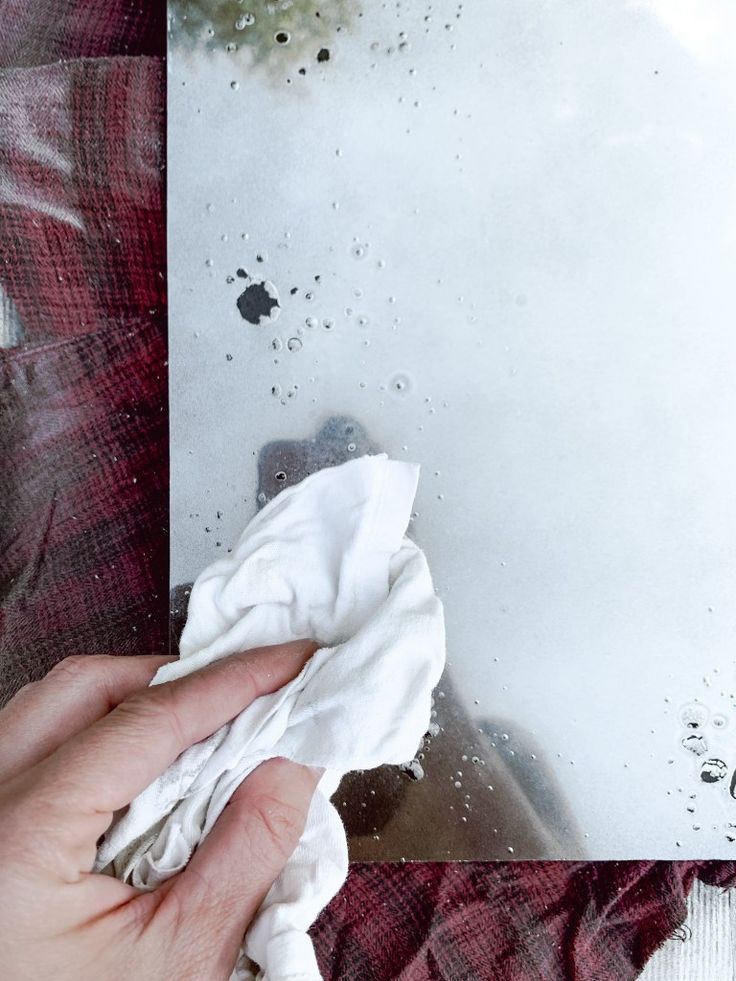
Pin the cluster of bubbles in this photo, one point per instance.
(696, 719)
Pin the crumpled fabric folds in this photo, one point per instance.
(327, 559)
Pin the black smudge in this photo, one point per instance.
(256, 302)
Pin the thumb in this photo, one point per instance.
(216, 897)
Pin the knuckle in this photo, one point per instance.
(157, 710)
(239, 673)
(282, 822)
(26, 693)
(75, 669)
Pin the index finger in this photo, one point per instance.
(104, 767)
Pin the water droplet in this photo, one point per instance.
(282, 37)
(328, 323)
(209, 262)
(277, 344)
(276, 391)
(694, 715)
(712, 771)
(234, 85)
(311, 322)
(719, 721)
(280, 475)
(401, 384)
(359, 250)
(413, 769)
(245, 20)
(351, 447)
(695, 743)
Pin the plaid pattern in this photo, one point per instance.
(83, 439)
(83, 503)
(528, 921)
(38, 32)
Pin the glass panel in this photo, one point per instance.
(497, 239)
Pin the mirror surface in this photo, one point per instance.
(497, 239)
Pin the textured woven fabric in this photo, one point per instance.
(545, 921)
(83, 481)
(36, 33)
(83, 503)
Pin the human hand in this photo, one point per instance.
(80, 745)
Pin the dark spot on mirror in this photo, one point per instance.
(255, 303)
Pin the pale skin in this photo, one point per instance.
(80, 745)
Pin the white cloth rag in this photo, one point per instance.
(327, 559)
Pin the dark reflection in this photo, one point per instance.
(477, 788)
(481, 797)
(292, 34)
(284, 463)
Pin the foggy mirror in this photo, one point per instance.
(497, 239)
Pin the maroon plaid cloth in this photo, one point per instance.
(83, 482)
(83, 504)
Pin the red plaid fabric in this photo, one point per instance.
(38, 32)
(83, 439)
(83, 502)
(524, 921)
